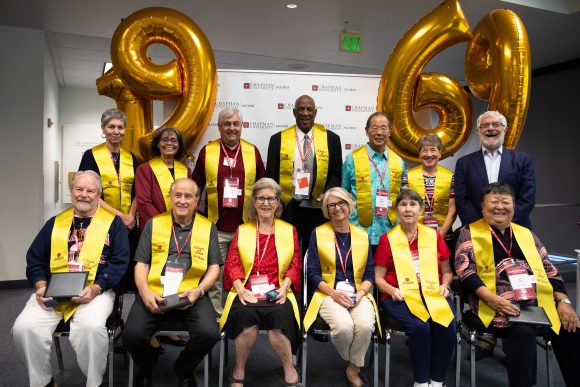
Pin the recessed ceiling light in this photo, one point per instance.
(291, 6)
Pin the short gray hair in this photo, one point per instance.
(112, 113)
(492, 114)
(197, 191)
(263, 183)
(340, 193)
(229, 113)
(430, 139)
(90, 173)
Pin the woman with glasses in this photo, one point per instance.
(413, 274)
(435, 185)
(155, 177)
(342, 297)
(262, 273)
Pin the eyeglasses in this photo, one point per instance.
(263, 199)
(172, 140)
(339, 204)
(495, 125)
(375, 129)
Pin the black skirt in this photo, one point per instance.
(272, 316)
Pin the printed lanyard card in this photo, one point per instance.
(521, 282)
(382, 202)
(260, 286)
(173, 275)
(75, 266)
(345, 286)
(302, 183)
(231, 190)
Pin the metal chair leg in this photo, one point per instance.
(58, 352)
(206, 370)
(458, 359)
(222, 354)
(375, 360)
(304, 353)
(111, 357)
(550, 375)
(131, 370)
(472, 356)
(387, 356)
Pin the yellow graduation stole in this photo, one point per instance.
(90, 254)
(164, 178)
(115, 193)
(327, 253)
(437, 307)
(284, 238)
(287, 147)
(199, 246)
(364, 199)
(212, 159)
(483, 251)
(441, 189)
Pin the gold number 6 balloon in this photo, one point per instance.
(497, 68)
(403, 88)
(191, 76)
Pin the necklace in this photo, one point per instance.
(343, 242)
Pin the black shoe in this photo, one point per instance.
(52, 383)
(143, 380)
(187, 381)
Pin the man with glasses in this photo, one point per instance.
(306, 160)
(493, 164)
(177, 254)
(228, 168)
(373, 174)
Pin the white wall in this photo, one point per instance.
(21, 149)
(51, 135)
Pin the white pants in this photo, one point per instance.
(350, 329)
(33, 331)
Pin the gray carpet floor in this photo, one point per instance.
(325, 368)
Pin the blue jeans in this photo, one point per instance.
(431, 345)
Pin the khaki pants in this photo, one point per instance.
(350, 329)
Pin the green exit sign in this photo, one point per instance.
(350, 42)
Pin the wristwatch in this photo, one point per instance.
(565, 301)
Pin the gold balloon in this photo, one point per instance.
(139, 110)
(192, 76)
(403, 88)
(498, 68)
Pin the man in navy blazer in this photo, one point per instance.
(490, 164)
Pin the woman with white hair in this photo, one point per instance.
(342, 298)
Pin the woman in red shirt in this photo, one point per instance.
(262, 272)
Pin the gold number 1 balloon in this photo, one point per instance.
(498, 68)
(403, 88)
(191, 77)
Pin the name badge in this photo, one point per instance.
(75, 266)
(231, 190)
(382, 202)
(172, 279)
(228, 161)
(260, 286)
(301, 183)
(345, 287)
(521, 284)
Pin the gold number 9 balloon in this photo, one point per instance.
(403, 88)
(136, 80)
(497, 68)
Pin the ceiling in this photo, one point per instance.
(266, 35)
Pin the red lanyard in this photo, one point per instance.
(76, 234)
(345, 260)
(508, 252)
(231, 164)
(113, 160)
(179, 250)
(302, 155)
(381, 174)
(261, 256)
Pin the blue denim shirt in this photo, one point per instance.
(380, 224)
